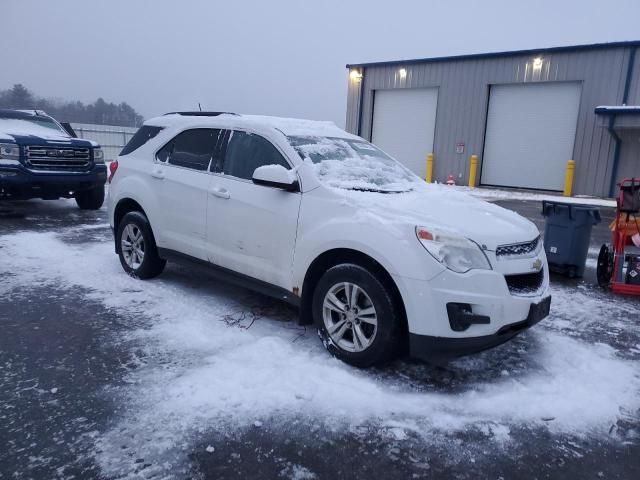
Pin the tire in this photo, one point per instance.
(90, 199)
(361, 340)
(137, 247)
(604, 269)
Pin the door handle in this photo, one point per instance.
(220, 192)
(157, 173)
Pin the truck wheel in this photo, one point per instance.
(137, 247)
(90, 199)
(356, 317)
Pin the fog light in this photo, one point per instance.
(461, 317)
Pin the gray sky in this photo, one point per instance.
(268, 57)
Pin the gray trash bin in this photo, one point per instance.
(567, 233)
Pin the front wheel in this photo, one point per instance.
(356, 316)
(137, 247)
(90, 199)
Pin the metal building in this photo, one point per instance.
(523, 113)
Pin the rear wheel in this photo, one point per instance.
(90, 199)
(137, 247)
(356, 316)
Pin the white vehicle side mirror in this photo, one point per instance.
(276, 176)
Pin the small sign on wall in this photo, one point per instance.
(460, 147)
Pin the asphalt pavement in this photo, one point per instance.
(65, 379)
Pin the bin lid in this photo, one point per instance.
(552, 207)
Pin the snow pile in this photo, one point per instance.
(218, 358)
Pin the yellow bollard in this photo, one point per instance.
(568, 179)
(473, 168)
(429, 176)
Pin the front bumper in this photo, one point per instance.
(454, 314)
(438, 349)
(17, 182)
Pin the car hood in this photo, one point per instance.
(47, 140)
(441, 207)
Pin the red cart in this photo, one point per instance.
(619, 263)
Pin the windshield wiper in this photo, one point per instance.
(375, 190)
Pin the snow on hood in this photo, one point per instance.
(441, 207)
(15, 126)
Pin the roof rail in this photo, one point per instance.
(201, 114)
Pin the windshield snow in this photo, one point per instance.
(354, 164)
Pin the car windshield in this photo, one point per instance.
(20, 122)
(354, 164)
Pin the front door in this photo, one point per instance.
(251, 229)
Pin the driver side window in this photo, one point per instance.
(247, 151)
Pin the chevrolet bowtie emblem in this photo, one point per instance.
(536, 265)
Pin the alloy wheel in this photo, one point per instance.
(349, 316)
(132, 246)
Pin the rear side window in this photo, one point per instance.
(246, 152)
(191, 149)
(142, 136)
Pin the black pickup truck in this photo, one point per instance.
(39, 158)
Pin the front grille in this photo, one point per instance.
(517, 249)
(60, 159)
(525, 283)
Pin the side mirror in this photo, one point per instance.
(276, 176)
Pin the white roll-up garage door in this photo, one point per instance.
(404, 123)
(530, 134)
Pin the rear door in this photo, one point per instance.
(181, 172)
(251, 229)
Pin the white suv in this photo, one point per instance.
(303, 211)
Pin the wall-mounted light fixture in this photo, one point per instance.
(537, 63)
(355, 74)
(403, 73)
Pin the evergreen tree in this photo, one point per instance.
(100, 111)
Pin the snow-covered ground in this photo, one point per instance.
(215, 358)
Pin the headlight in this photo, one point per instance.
(98, 155)
(9, 151)
(454, 252)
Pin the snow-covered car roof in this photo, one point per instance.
(287, 126)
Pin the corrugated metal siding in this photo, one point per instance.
(629, 154)
(464, 94)
(353, 104)
(110, 137)
(634, 91)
